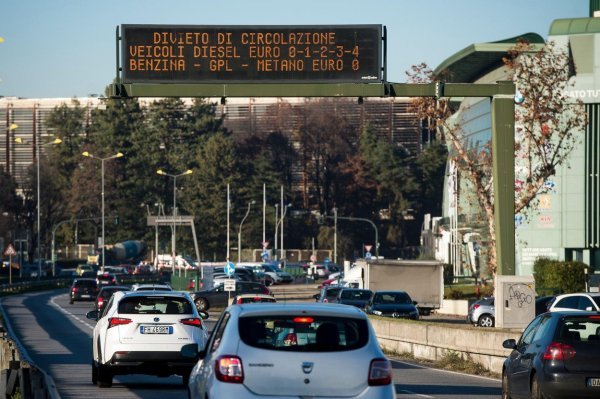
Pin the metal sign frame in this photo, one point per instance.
(502, 115)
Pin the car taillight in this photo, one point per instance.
(100, 302)
(74, 289)
(476, 306)
(229, 369)
(290, 339)
(118, 321)
(380, 372)
(558, 351)
(325, 300)
(192, 321)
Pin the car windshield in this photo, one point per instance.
(596, 299)
(358, 295)
(85, 283)
(154, 305)
(270, 268)
(304, 333)
(392, 297)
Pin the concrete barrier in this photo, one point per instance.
(431, 341)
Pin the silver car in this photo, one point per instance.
(291, 350)
(482, 312)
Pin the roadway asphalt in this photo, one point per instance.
(57, 337)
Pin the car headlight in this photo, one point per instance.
(377, 312)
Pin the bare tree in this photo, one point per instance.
(548, 125)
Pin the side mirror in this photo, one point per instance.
(415, 303)
(92, 315)
(203, 314)
(190, 351)
(509, 344)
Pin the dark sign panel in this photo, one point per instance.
(193, 54)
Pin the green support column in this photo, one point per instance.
(503, 153)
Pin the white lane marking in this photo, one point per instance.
(63, 310)
(445, 371)
(414, 393)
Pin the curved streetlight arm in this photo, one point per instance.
(240, 231)
(362, 220)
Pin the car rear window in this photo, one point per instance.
(580, 328)
(155, 305)
(358, 295)
(303, 333)
(86, 283)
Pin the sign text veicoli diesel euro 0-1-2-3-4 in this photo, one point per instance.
(192, 54)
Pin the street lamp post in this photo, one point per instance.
(275, 237)
(117, 155)
(37, 160)
(285, 208)
(240, 231)
(163, 173)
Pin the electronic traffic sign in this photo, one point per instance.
(208, 54)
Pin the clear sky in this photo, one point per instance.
(66, 48)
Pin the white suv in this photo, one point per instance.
(143, 332)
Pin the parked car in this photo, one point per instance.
(107, 279)
(557, 356)
(253, 298)
(83, 289)
(583, 301)
(482, 312)
(151, 287)
(325, 269)
(246, 357)
(396, 304)
(218, 297)
(105, 293)
(143, 333)
(279, 276)
(328, 293)
(354, 297)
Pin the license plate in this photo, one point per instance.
(156, 330)
(86, 296)
(593, 382)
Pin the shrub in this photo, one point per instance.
(559, 277)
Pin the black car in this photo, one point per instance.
(396, 304)
(542, 304)
(354, 297)
(105, 293)
(219, 298)
(83, 289)
(557, 356)
(107, 279)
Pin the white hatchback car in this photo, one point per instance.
(584, 301)
(143, 332)
(291, 350)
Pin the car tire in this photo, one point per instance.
(185, 378)
(71, 301)
(505, 390)
(105, 377)
(486, 320)
(94, 373)
(202, 304)
(535, 389)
